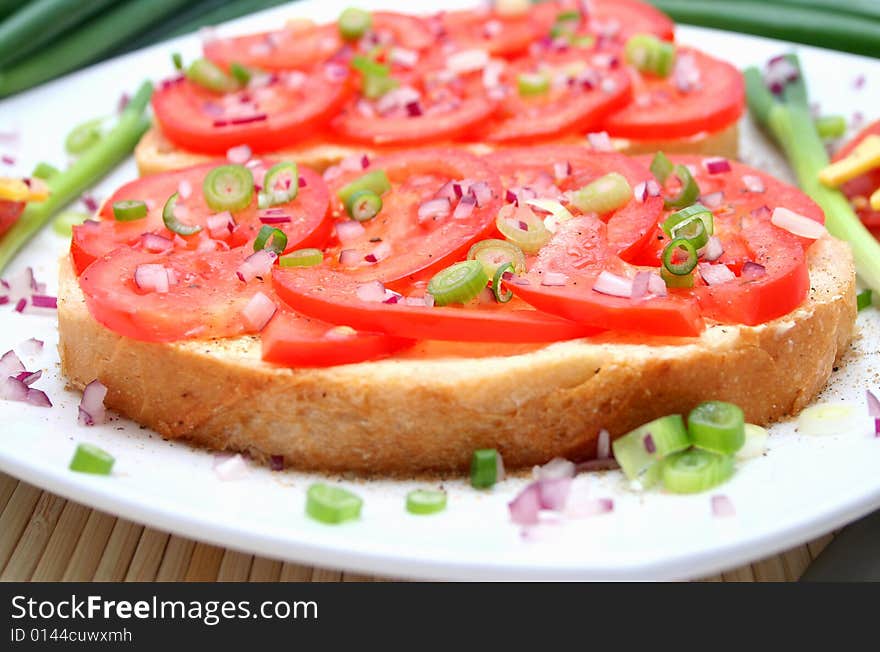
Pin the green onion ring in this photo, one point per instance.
(375, 181)
(695, 470)
(682, 268)
(718, 427)
(208, 75)
(228, 188)
(353, 23)
(501, 296)
(90, 459)
(271, 194)
(172, 223)
(458, 283)
(425, 501)
(661, 167)
(302, 258)
(689, 192)
(364, 205)
(129, 210)
(271, 238)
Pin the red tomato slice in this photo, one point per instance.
(662, 110)
(308, 226)
(583, 92)
(535, 168)
(617, 20)
(207, 300)
(580, 251)
(293, 340)
(286, 110)
(403, 247)
(483, 29)
(10, 211)
(301, 45)
(332, 296)
(862, 187)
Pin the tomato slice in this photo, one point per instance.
(333, 296)
(308, 222)
(535, 169)
(287, 109)
(863, 186)
(10, 211)
(396, 246)
(703, 94)
(583, 91)
(293, 340)
(617, 20)
(301, 45)
(484, 29)
(206, 300)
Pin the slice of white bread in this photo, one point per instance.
(155, 153)
(430, 409)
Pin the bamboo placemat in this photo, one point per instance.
(44, 537)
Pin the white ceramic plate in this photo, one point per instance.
(801, 488)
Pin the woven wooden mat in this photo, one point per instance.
(44, 537)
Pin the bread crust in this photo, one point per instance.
(413, 414)
(155, 153)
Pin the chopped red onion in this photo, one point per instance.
(229, 469)
(276, 462)
(752, 270)
(275, 219)
(608, 85)
(603, 444)
(10, 365)
(31, 347)
(29, 377)
(753, 183)
(240, 154)
(650, 446)
(413, 109)
(640, 191)
(466, 61)
(712, 200)
(44, 301)
(584, 507)
(722, 506)
(760, 213)
(151, 277)
(716, 165)
(184, 188)
(349, 257)
(156, 244)
(381, 252)
(335, 72)
(686, 75)
(657, 286)
(91, 407)
(600, 141)
(89, 202)
(482, 192)
(873, 404)
(524, 509)
(404, 57)
(257, 264)
(562, 170)
(220, 225)
(37, 397)
(465, 207)
(797, 224)
(7, 159)
(554, 493)
(349, 231)
(374, 291)
(640, 285)
(613, 285)
(558, 467)
(12, 389)
(434, 209)
(715, 274)
(258, 312)
(227, 122)
(713, 249)
(21, 305)
(553, 279)
(859, 82)
(492, 74)
(779, 72)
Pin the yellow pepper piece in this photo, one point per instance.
(875, 200)
(865, 157)
(17, 190)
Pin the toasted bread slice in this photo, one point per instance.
(429, 409)
(155, 153)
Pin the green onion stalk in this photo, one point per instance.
(787, 119)
(94, 164)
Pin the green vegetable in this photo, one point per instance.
(676, 280)
(302, 258)
(364, 205)
(639, 450)
(458, 283)
(695, 470)
(39, 22)
(603, 195)
(649, 54)
(822, 22)
(501, 296)
(661, 167)
(531, 84)
(172, 223)
(678, 218)
(240, 73)
(229, 187)
(755, 442)
(425, 501)
(280, 185)
(830, 127)
(376, 77)
(91, 459)
(84, 136)
(679, 267)
(354, 23)
(566, 24)
(45, 171)
(864, 299)
(332, 505)
(494, 253)
(485, 465)
(86, 44)
(789, 122)
(64, 223)
(689, 191)
(529, 239)
(177, 60)
(128, 210)
(693, 230)
(85, 171)
(718, 427)
(272, 239)
(209, 75)
(375, 181)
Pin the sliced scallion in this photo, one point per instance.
(639, 450)
(172, 223)
(375, 181)
(501, 295)
(531, 84)
(354, 23)
(177, 60)
(864, 299)
(364, 205)
(695, 470)
(228, 187)
(661, 167)
(425, 501)
(64, 223)
(693, 230)
(649, 54)
(240, 73)
(689, 191)
(280, 185)
(695, 211)
(676, 280)
(84, 136)
(671, 254)
(605, 194)
(717, 426)
(90, 459)
(302, 258)
(523, 228)
(45, 171)
(458, 283)
(494, 253)
(332, 505)
(484, 468)
(209, 75)
(831, 126)
(128, 210)
(271, 238)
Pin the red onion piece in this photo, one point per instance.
(37, 397)
(465, 207)
(716, 165)
(349, 230)
(91, 407)
(603, 444)
(650, 446)
(275, 219)
(752, 270)
(722, 506)
(466, 61)
(797, 224)
(873, 404)
(349, 257)
(44, 301)
(31, 347)
(600, 141)
(226, 122)
(554, 493)
(583, 507)
(562, 170)
(524, 509)
(240, 154)
(151, 277)
(713, 249)
(156, 244)
(686, 75)
(229, 469)
(413, 109)
(712, 200)
(640, 285)
(434, 209)
(12, 389)
(715, 274)
(276, 462)
(20, 306)
(374, 291)
(258, 311)
(404, 57)
(482, 192)
(7, 159)
(558, 467)
(753, 183)
(640, 191)
(613, 285)
(29, 377)
(554, 279)
(381, 252)
(10, 365)
(257, 264)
